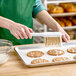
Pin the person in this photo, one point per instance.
(16, 21)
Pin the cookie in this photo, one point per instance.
(74, 57)
(55, 52)
(72, 50)
(35, 54)
(36, 61)
(60, 59)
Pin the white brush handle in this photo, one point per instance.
(37, 34)
(47, 34)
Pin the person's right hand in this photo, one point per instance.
(16, 29)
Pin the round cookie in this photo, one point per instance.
(72, 50)
(35, 54)
(74, 57)
(60, 59)
(55, 52)
(36, 61)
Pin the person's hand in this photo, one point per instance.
(65, 36)
(20, 31)
(16, 29)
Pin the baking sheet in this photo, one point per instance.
(23, 50)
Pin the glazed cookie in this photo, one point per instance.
(35, 54)
(72, 50)
(60, 59)
(36, 61)
(55, 52)
(74, 57)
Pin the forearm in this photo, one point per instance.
(45, 18)
(4, 22)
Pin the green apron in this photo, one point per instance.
(19, 11)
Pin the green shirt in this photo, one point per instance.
(38, 6)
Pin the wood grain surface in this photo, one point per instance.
(15, 67)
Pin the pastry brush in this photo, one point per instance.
(51, 38)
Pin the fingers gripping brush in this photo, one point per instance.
(52, 39)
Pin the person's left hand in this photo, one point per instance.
(65, 36)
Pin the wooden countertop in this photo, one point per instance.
(15, 67)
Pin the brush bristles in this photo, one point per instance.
(53, 41)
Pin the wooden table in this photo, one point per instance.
(15, 67)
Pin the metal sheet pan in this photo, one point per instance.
(23, 50)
